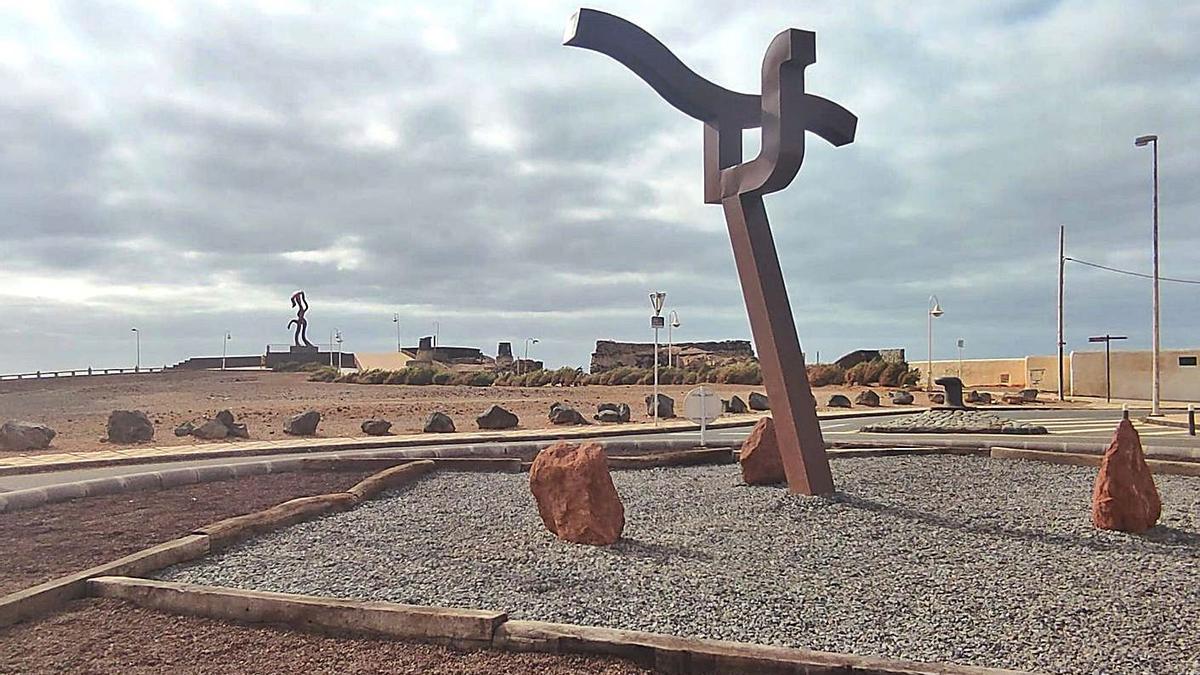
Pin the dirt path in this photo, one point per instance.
(56, 539)
(108, 636)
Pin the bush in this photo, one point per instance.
(739, 373)
(893, 374)
(348, 378)
(420, 375)
(825, 374)
(323, 374)
(867, 372)
(442, 377)
(374, 376)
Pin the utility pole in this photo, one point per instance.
(1062, 263)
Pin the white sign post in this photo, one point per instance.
(702, 405)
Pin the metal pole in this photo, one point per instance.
(224, 342)
(670, 343)
(1062, 261)
(929, 362)
(396, 318)
(1107, 373)
(654, 405)
(1156, 392)
(1191, 419)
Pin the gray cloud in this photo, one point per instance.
(187, 168)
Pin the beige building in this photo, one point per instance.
(1179, 374)
(1084, 373)
(1035, 372)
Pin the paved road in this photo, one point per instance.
(1064, 425)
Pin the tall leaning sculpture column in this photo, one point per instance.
(784, 112)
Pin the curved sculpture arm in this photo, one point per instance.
(650, 60)
(787, 112)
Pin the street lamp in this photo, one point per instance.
(137, 340)
(224, 344)
(337, 335)
(1142, 141)
(961, 343)
(672, 322)
(657, 298)
(525, 362)
(396, 320)
(935, 310)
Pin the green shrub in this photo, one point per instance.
(348, 378)
(825, 374)
(323, 374)
(443, 377)
(374, 376)
(739, 373)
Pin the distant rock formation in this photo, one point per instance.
(610, 354)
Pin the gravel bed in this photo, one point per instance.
(963, 559)
(955, 422)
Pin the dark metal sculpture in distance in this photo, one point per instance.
(785, 112)
(301, 305)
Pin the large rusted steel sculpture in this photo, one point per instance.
(785, 112)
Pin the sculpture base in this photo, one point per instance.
(302, 349)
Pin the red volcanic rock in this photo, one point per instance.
(575, 494)
(760, 459)
(1125, 497)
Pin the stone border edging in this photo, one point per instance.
(1157, 466)
(1164, 422)
(482, 628)
(45, 597)
(441, 625)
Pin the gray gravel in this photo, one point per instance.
(964, 559)
(956, 421)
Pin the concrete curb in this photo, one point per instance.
(230, 450)
(16, 500)
(1163, 422)
(46, 597)
(481, 628)
(456, 627)
(937, 441)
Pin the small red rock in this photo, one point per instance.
(575, 494)
(760, 459)
(1125, 497)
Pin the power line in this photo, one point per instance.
(1130, 272)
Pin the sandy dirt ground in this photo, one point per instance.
(78, 408)
(108, 636)
(57, 539)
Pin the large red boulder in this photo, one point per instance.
(1125, 497)
(760, 459)
(575, 494)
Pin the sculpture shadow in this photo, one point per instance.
(1170, 540)
(631, 547)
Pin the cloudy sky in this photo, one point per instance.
(183, 168)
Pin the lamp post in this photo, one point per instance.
(137, 341)
(224, 344)
(396, 320)
(672, 322)
(525, 361)
(1107, 340)
(337, 335)
(1142, 141)
(657, 298)
(961, 343)
(437, 328)
(935, 310)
